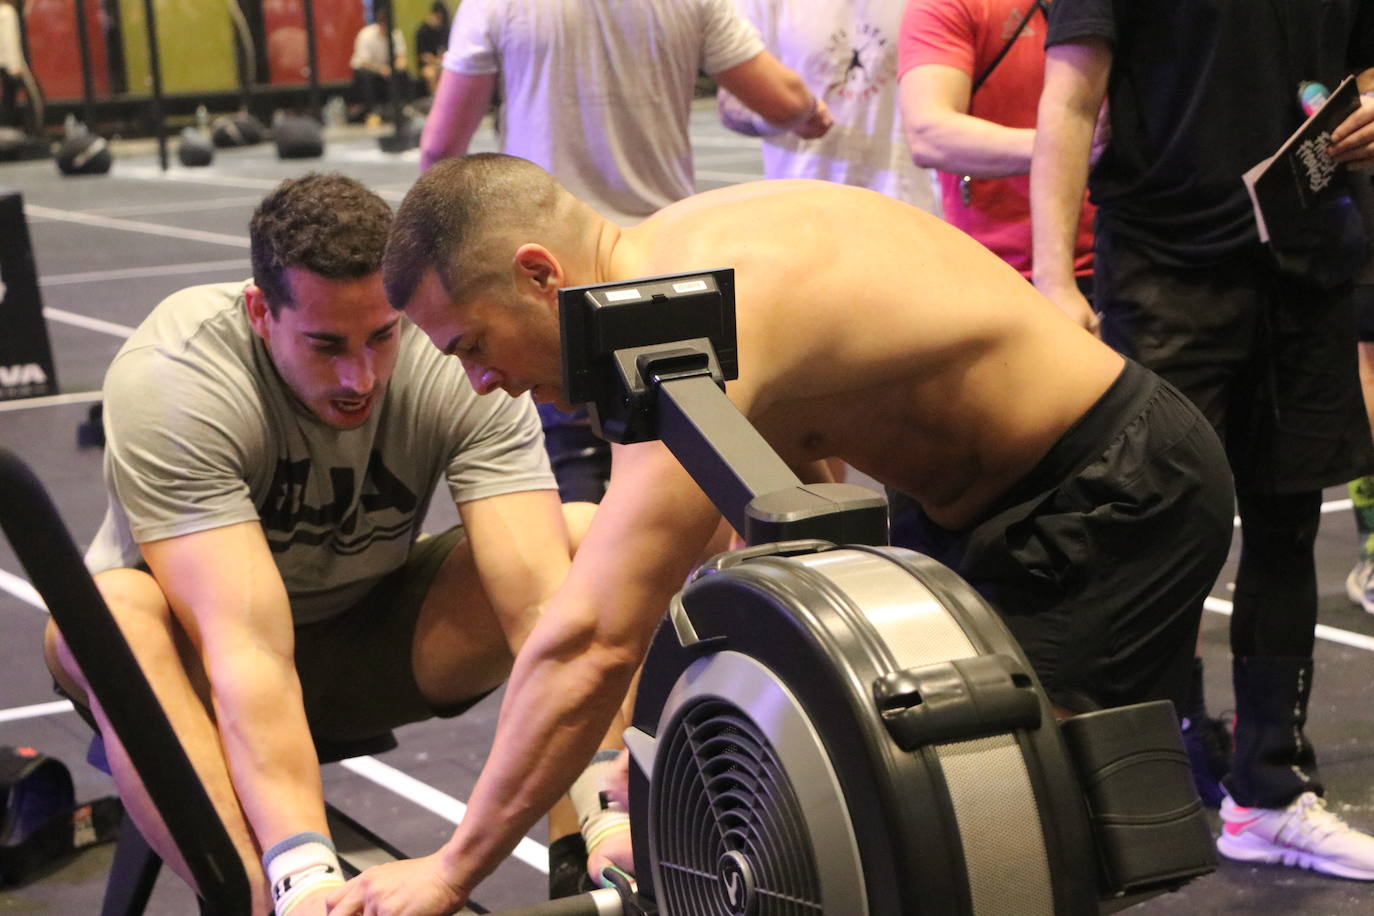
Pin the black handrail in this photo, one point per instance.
(49, 556)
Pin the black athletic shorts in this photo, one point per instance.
(1099, 559)
(356, 673)
(1364, 312)
(581, 460)
(1269, 361)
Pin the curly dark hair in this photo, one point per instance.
(328, 223)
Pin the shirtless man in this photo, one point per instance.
(1089, 499)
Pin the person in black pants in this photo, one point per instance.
(1185, 287)
(431, 40)
(12, 64)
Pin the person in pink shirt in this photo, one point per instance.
(970, 74)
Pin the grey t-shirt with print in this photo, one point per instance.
(202, 433)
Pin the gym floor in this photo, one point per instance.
(110, 248)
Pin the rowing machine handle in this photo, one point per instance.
(603, 902)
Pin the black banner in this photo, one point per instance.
(26, 366)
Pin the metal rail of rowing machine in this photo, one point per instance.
(49, 556)
(650, 359)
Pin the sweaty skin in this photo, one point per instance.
(868, 330)
(895, 343)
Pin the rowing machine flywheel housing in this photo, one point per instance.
(854, 731)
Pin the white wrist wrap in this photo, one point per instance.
(597, 816)
(586, 792)
(299, 865)
(603, 824)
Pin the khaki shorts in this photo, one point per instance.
(355, 668)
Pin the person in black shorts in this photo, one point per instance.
(1091, 502)
(1185, 286)
(1059, 554)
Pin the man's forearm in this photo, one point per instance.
(553, 719)
(962, 144)
(267, 746)
(737, 116)
(772, 91)
(1059, 176)
(1067, 116)
(573, 672)
(460, 101)
(438, 142)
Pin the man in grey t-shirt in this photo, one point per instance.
(272, 447)
(599, 93)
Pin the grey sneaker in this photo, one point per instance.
(1359, 585)
(1303, 835)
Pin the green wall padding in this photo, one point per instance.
(195, 44)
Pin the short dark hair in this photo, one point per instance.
(449, 217)
(326, 223)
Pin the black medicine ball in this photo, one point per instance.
(237, 130)
(194, 149)
(84, 154)
(299, 137)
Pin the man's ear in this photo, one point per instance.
(259, 315)
(536, 264)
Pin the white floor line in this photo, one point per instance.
(36, 711)
(152, 173)
(1335, 505)
(1330, 634)
(135, 273)
(52, 400)
(376, 154)
(20, 588)
(90, 324)
(533, 854)
(178, 206)
(134, 225)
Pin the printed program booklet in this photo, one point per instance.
(1291, 183)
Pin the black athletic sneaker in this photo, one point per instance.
(568, 867)
(1208, 743)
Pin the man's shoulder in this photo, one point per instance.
(187, 312)
(207, 321)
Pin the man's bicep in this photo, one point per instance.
(648, 534)
(460, 101)
(931, 91)
(1076, 78)
(767, 87)
(520, 548)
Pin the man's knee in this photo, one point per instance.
(578, 517)
(137, 605)
(62, 666)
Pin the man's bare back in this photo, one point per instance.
(910, 351)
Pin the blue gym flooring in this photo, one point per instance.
(109, 248)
